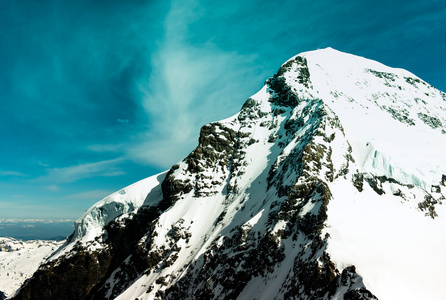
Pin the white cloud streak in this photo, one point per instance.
(12, 173)
(77, 172)
(53, 188)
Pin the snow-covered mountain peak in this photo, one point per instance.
(374, 103)
(391, 117)
(263, 200)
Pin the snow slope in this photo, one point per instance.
(20, 259)
(363, 93)
(128, 200)
(124, 201)
(398, 251)
(327, 185)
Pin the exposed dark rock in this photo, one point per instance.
(358, 181)
(220, 149)
(281, 93)
(220, 266)
(313, 279)
(435, 189)
(430, 120)
(412, 81)
(384, 75)
(172, 189)
(72, 277)
(251, 111)
(428, 205)
(401, 115)
(348, 278)
(375, 183)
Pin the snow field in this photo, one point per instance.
(396, 249)
(22, 261)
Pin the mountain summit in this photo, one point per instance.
(328, 184)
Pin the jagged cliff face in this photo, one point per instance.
(259, 209)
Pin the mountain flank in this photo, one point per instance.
(328, 184)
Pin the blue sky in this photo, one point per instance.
(96, 95)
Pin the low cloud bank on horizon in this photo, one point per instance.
(45, 221)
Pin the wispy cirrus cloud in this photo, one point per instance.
(107, 168)
(53, 188)
(190, 84)
(13, 174)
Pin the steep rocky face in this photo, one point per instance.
(292, 219)
(247, 215)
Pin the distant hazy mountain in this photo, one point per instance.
(328, 184)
